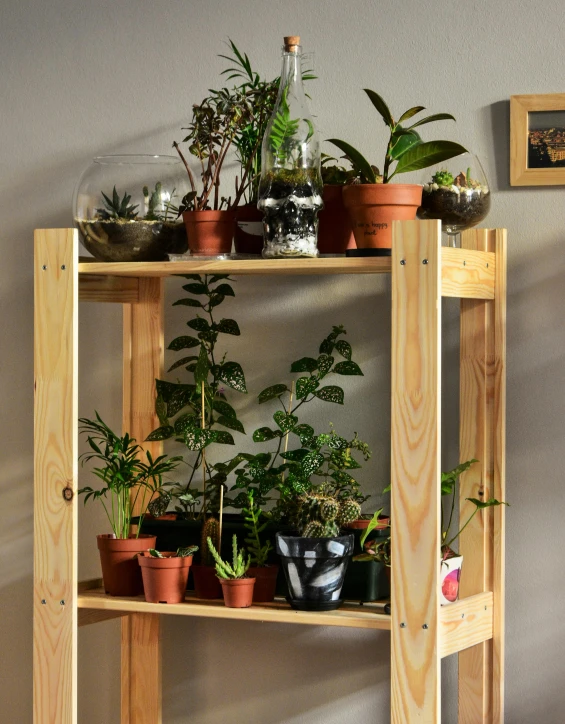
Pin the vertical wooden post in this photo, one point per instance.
(143, 362)
(415, 471)
(482, 413)
(55, 477)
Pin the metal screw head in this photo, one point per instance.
(402, 262)
(403, 625)
(464, 263)
(43, 602)
(462, 615)
(44, 267)
(487, 264)
(62, 602)
(424, 261)
(63, 267)
(425, 626)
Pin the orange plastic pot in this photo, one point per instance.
(265, 582)
(206, 584)
(238, 592)
(363, 524)
(164, 579)
(335, 234)
(373, 207)
(209, 232)
(248, 232)
(118, 556)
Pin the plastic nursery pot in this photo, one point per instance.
(164, 579)
(248, 232)
(373, 207)
(450, 574)
(206, 584)
(363, 523)
(335, 234)
(265, 582)
(209, 232)
(315, 569)
(238, 592)
(118, 556)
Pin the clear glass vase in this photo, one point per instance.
(457, 192)
(126, 207)
(290, 191)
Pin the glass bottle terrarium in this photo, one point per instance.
(457, 192)
(126, 207)
(290, 191)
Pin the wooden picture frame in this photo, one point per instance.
(521, 172)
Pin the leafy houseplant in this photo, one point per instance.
(165, 574)
(237, 587)
(128, 482)
(373, 203)
(334, 228)
(265, 575)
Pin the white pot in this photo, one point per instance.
(450, 573)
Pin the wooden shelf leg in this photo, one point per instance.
(55, 478)
(415, 472)
(143, 362)
(482, 411)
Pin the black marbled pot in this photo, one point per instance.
(315, 569)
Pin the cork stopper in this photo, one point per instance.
(291, 43)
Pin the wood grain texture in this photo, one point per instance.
(143, 363)
(342, 265)
(55, 433)
(415, 472)
(520, 174)
(101, 288)
(467, 273)
(87, 616)
(367, 616)
(466, 623)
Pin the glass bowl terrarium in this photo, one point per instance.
(457, 192)
(126, 208)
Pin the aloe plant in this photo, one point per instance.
(405, 146)
(116, 208)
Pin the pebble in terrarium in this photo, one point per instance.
(290, 192)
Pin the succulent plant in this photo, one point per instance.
(349, 510)
(152, 201)
(443, 178)
(210, 530)
(181, 552)
(116, 208)
(239, 566)
(320, 515)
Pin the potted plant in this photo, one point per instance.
(165, 574)
(128, 482)
(374, 203)
(206, 584)
(335, 234)
(237, 586)
(265, 574)
(315, 560)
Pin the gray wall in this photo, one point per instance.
(79, 79)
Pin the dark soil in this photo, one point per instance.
(456, 211)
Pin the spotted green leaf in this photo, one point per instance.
(231, 422)
(183, 342)
(304, 386)
(263, 434)
(187, 302)
(284, 421)
(161, 410)
(347, 368)
(295, 455)
(201, 368)
(224, 408)
(161, 433)
(225, 289)
(182, 362)
(228, 326)
(232, 374)
(305, 433)
(197, 288)
(306, 364)
(199, 324)
(311, 463)
(186, 422)
(325, 363)
(331, 393)
(344, 348)
(271, 392)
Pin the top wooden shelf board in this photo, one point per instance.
(465, 273)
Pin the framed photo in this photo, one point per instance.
(537, 140)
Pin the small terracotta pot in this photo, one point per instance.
(373, 207)
(335, 234)
(209, 232)
(118, 556)
(363, 523)
(164, 579)
(238, 592)
(248, 232)
(206, 582)
(265, 582)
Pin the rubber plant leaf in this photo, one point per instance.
(358, 161)
(431, 119)
(381, 107)
(427, 154)
(411, 112)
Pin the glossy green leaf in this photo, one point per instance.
(186, 422)
(228, 326)
(182, 362)
(325, 363)
(225, 289)
(404, 143)
(305, 433)
(295, 455)
(199, 324)
(216, 300)
(486, 503)
(232, 374)
(306, 364)
(179, 399)
(358, 161)
(410, 112)
(381, 106)
(216, 278)
(196, 438)
(183, 342)
(304, 386)
(224, 408)
(201, 367)
(344, 348)
(427, 154)
(188, 302)
(331, 393)
(161, 433)
(196, 288)
(161, 410)
(285, 421)
(311, 463)
(271, 392)
(431, 119)
(221, 436)
(231, 422)
(347, 368)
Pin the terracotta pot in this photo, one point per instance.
(164, 579)
(118, 556)
(373, 207)
(248, 232)
(335, 234)
(209, 232)
(265, 582)
(363, 523)
(206, 582)
(238, 592)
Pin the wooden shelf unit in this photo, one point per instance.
(422, 631)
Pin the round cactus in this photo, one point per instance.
(443, 178)
(314, 529)
(329, 509)
(210, 529)
(349, 510)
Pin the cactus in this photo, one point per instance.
(152, 201)
(239, 566)
(316, 515)
(210, 529)
(349, 510)
(116, 208)
(443, 178)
